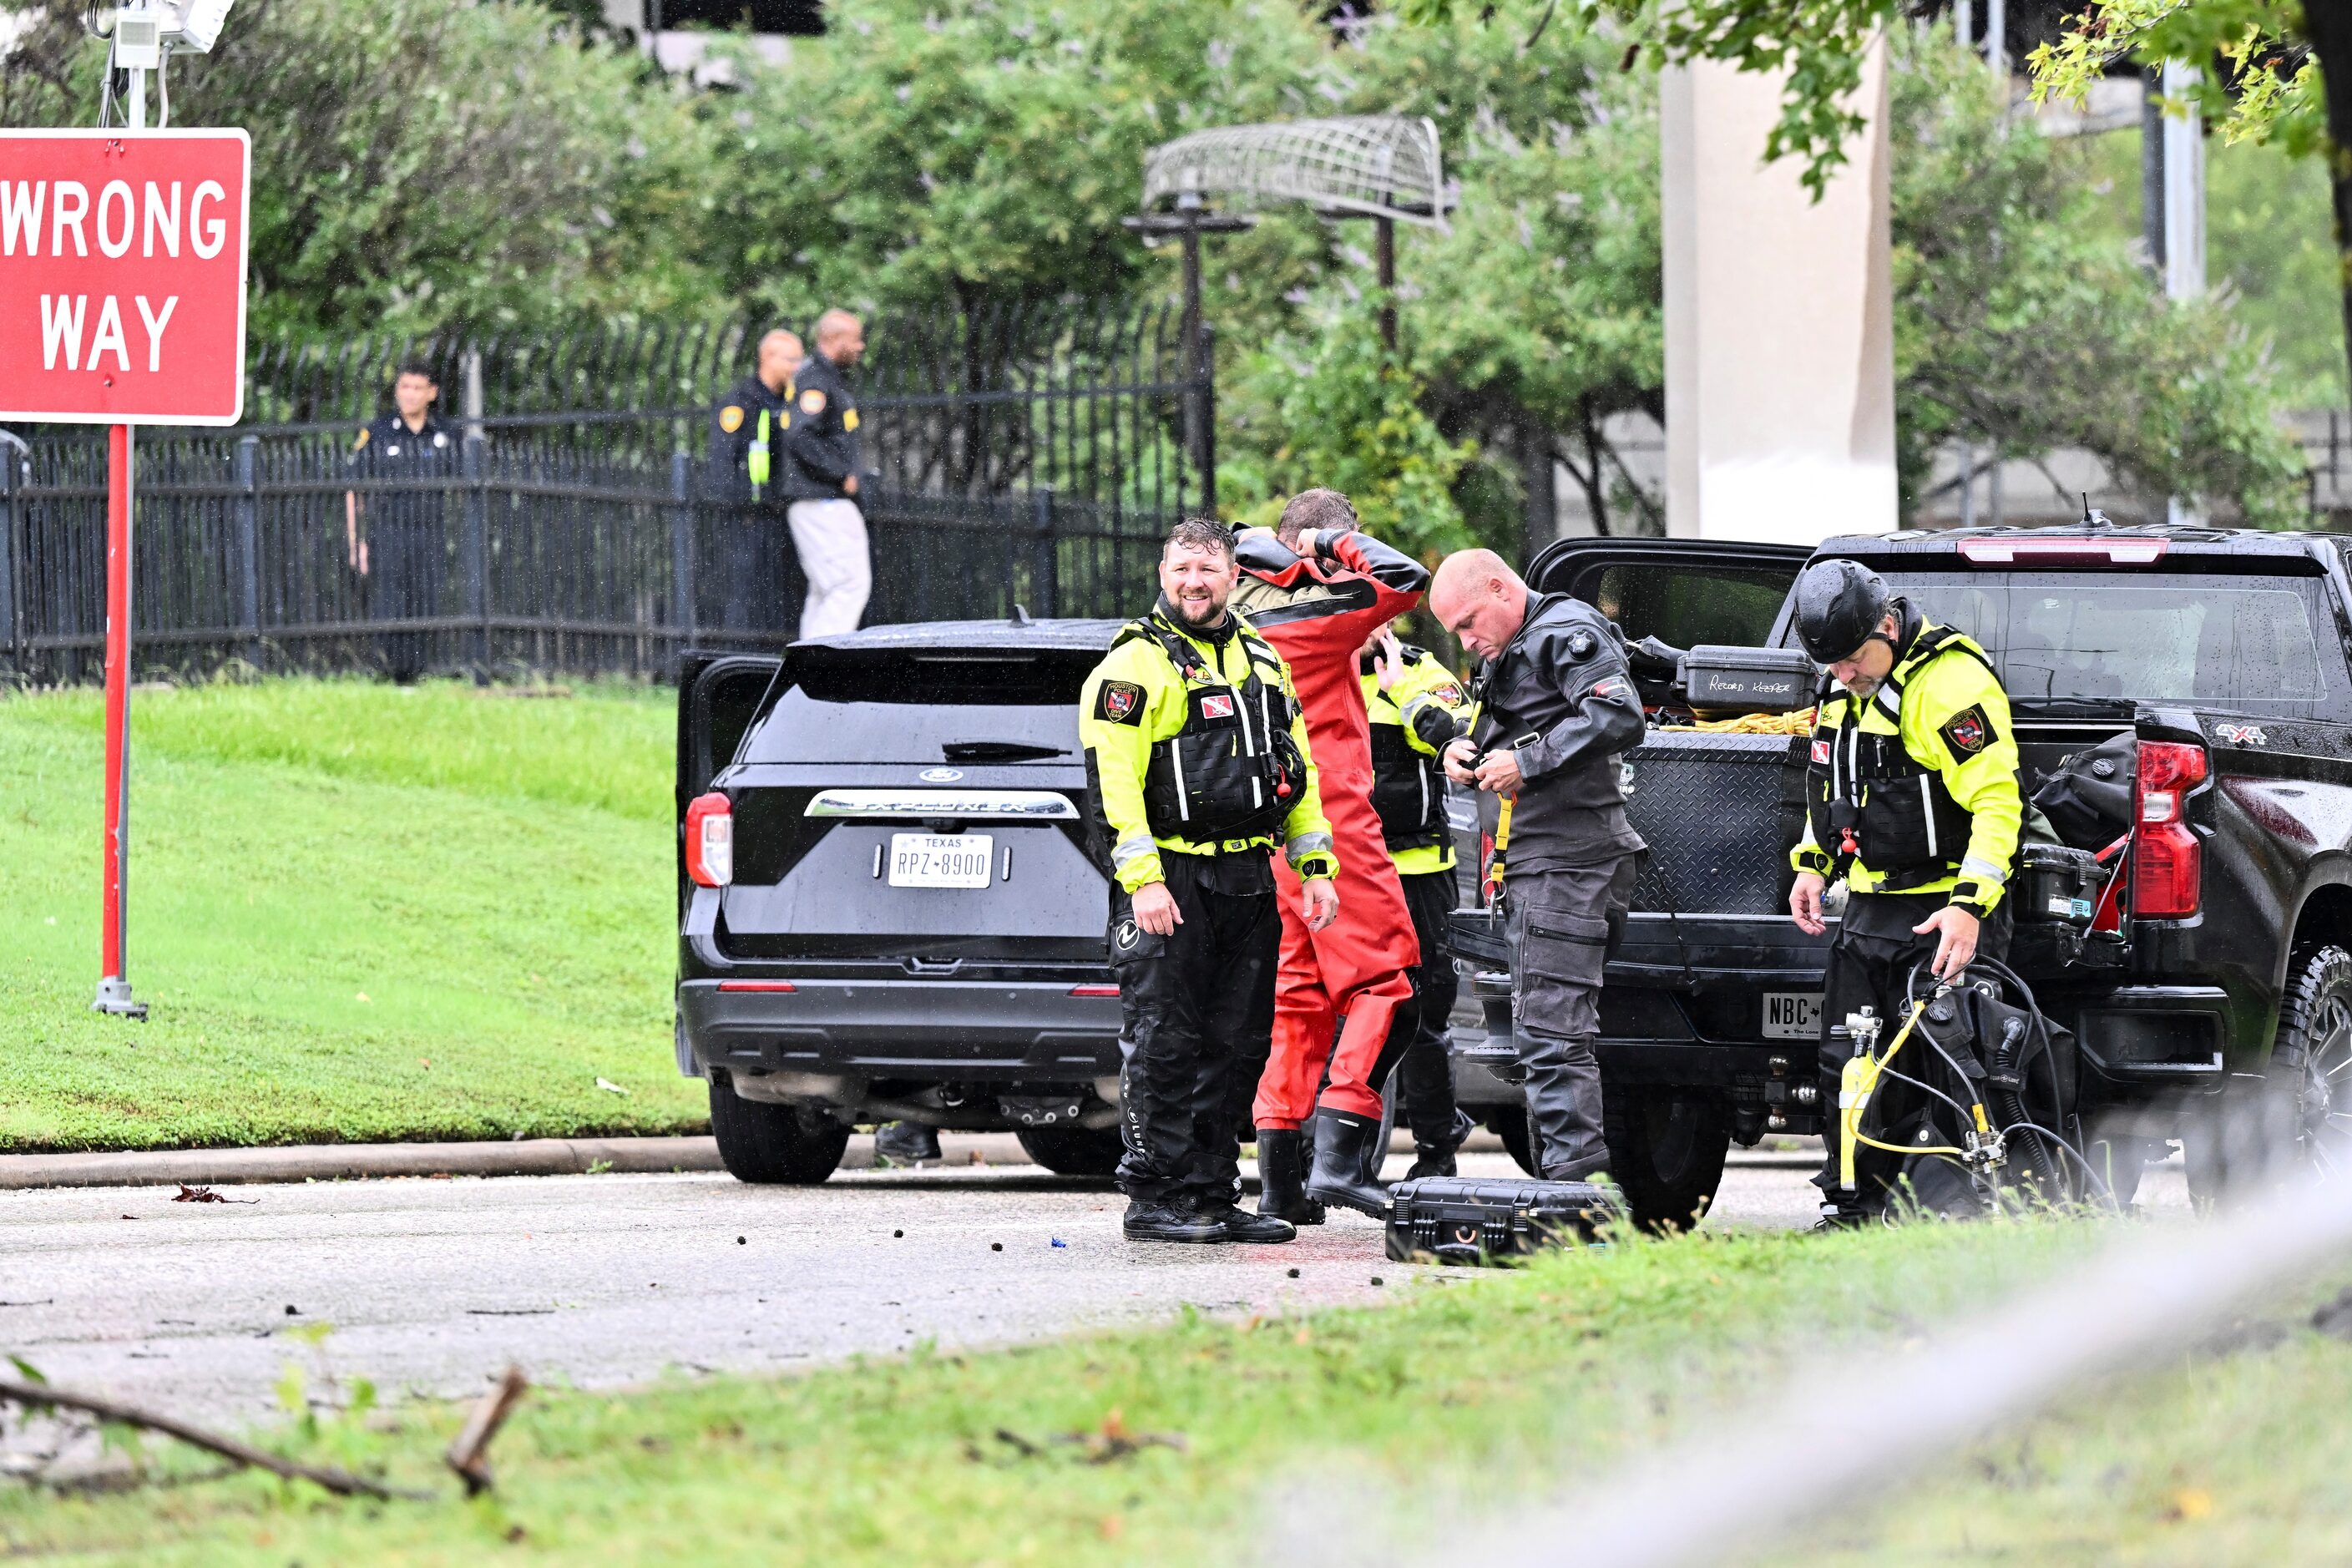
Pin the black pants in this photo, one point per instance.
(1869, 965)
(753, 591)
(1416, 1050)
(1198, 1006)
(406, 561)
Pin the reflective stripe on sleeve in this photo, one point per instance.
(1131, 850)
(1983, 871)
(1309, 844)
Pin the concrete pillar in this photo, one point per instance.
(1779, 319)
(2184, 218)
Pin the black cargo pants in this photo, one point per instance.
(1561, 923)
(1198, 1006)
(1416, 1050)
(1870, 963)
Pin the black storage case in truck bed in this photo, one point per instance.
(2218, 985)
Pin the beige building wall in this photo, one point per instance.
(1780, 324)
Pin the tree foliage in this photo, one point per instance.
(420, 163)
(922, 152)
(1327, 406)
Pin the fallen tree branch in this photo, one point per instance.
(468, 1452)
(41, 1397)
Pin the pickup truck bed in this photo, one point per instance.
(2227, 648)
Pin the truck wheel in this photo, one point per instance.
(2310, 1073)
(774, 1144)
(1665, 1151)
(1074, 1151)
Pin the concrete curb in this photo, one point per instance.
(527, 1157)
(345, 1162)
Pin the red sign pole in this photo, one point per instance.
(122, 259)
(114, 985)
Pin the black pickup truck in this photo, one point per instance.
(2218, 971)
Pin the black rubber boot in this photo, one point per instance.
(1341, 1145)
(1437, 1159)
(1282, 1177)
(1171, 1222)
(1242, 1225)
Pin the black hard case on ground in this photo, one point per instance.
(1460, 1219)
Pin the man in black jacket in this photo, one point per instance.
(1556, 711)
(821, 481)
(747, 437)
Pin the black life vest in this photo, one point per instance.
(1233, 771)
(1870, 800)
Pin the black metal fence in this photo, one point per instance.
(1031, 456)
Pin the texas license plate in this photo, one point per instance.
(941, 860)
(1792, 1015)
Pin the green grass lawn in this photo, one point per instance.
(1458, 1398)
(360, 911)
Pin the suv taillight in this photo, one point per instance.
(710, 841)
(2168, 863)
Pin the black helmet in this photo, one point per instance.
(1839, 606)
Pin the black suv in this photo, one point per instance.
(888, 908)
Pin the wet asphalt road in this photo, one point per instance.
(432, 1286)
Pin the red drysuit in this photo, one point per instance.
(1318, 614)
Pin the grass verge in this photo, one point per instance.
(360, 912)
(1451, 1402)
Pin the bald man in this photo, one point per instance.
(1557, 710)
(746, 431)
(821, 481)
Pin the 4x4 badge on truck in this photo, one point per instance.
(940, 776)
(2242, 734)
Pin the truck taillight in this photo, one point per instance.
(710, 841)
(2168, 863)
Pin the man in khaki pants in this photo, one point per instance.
(821, 481)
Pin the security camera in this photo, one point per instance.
(147, 28)
(198, 25)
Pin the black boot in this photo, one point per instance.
(907, 1143)
(1437, 1159)
(1242, 1225)
(1171, 1222)
(1282, 1177)
(1341, 1142)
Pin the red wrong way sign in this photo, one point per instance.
(122, 276)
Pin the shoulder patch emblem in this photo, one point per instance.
(1120, 702)
(849, 418)
(362, 440)
(1448, 693)
(812, 401)
(730, 418)
(1970, 730)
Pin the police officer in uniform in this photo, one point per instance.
(1912, 797)
(1417, 709)
(821, 482)
(397, 539)
(1198, 761)
(746, 439)
(1557, 713)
